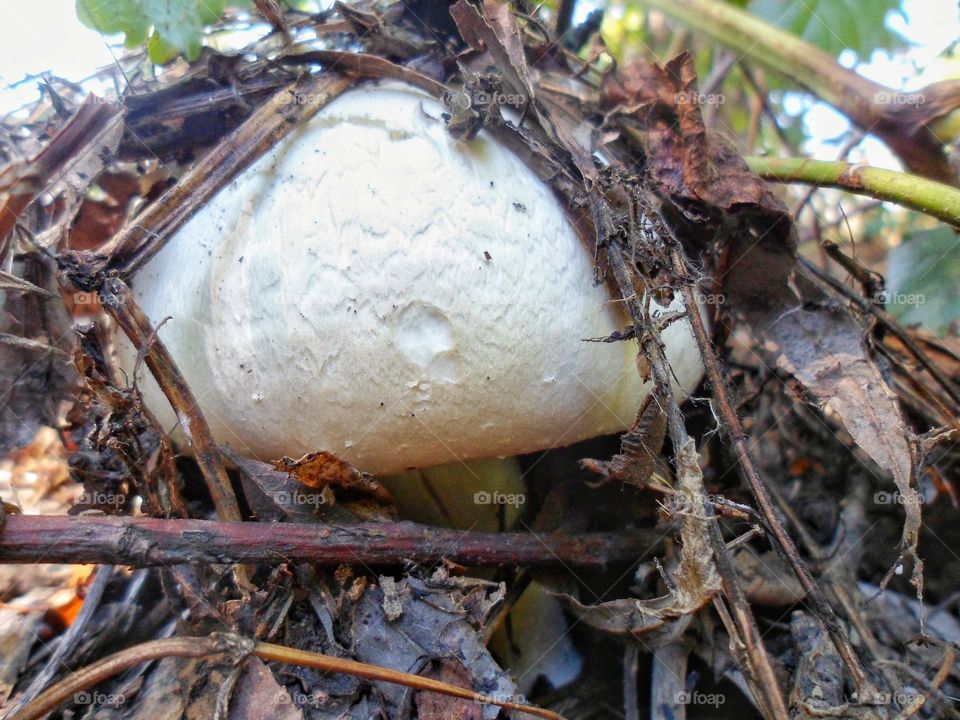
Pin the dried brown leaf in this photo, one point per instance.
(495, 30)
(639, 447)
(36, 342)
(696, 580)
(431, 706)
(258, 696)
(820, 344)
(689, 162)
(320, 469)
(441, 619)
(274, 494)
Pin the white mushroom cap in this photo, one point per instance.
(374, 288)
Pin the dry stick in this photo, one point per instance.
(927, 401)
(327, 663)
(239, 648)
(734, 430)
(761, 94)
(932, 686)
(761, 676)
(120, 304)
(145, 542)
(146, 233)
(22, 184)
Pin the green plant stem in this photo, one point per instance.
(778, 50)
(927, 196)
(916, 135)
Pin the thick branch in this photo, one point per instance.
(927, 196)
(914, 125)
(145, 542)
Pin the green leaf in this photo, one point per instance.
(923, 280)
(109, 17)
(178, 25)
(834, 25)
(160, 51)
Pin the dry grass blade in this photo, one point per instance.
(186, 647)
(279, 653)
(237, 649)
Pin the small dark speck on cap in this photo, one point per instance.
(487, 255)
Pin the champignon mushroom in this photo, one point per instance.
(376, 288)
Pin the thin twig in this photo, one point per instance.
(145, 542)
(327, 663)
(146, 233)
(868, 306)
